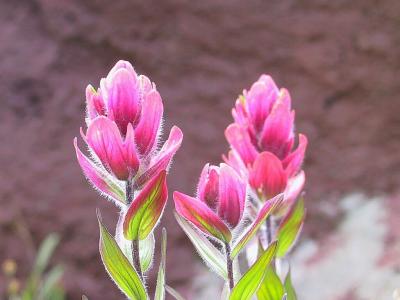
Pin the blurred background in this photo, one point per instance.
(339, 59)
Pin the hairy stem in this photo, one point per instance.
(229, 265)
(129, 191)
(268, 230)
(136, 258)
(135, 243)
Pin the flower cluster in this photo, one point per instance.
(249, 201)
(126, 164)
(262, 139)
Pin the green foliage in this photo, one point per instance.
(271, 287)
(290, 292)
(207, 251)
(252, 279)
(160, 288)
(119, 268)
(290, 228)
(249, 233)
(42, 285)
(173, 293)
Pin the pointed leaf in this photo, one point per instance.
(250, 231)
(146, 209)
(290, 293)
(118, 266)
(146, 252)
(290, 228)
(202, 217)
(211, 256)
(173, 293)
(252, 279)
(100, 178)
(160, 288)
(271, 288)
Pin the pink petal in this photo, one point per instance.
(267, 176)
(208, 187)
(239, 139)
(150, 119)
(131, 155)
(163, 158)
(105, 140)
(278, 128)
(293, 161)
(232, 195)
(261, 98)
(236, 162)
(145, 85)
(293, 189)
(94, 103)
(121, 64)
(201, 216)
(99, 177)
(123, 99)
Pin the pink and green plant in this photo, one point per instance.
(249, 208)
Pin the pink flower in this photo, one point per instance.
(220, 201)
(262, 139)
(124, 118)
(127, 98)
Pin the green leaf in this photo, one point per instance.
(290, 228)
(118, 266)
(146, 252)
(251, 230)
(146, 209)
(50, 283)
(290, 292)
(252, 279)
(271, 288)
(173, 293)
(207, 251)
(160, 288)
(45, 252)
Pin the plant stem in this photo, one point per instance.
(136, 258)
(129, 191)
(135, 243)
(229, 265)
(268, 230)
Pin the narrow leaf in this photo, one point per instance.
(202, 217)
(100, 178)
(271, 288)
(207, 251)
(252, 279)
(250, 231)
(146, 209)
(160, 288)
(146, 252)
(290, 292)
(290, 227)
(173, 293)
(45, 252)
(118, 266)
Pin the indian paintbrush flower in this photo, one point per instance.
(220, 202)
(262, 139)
(124, 119)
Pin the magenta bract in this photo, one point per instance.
(220, 200)
(262, 138)
(124, 118)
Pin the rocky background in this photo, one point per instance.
(340, 60)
